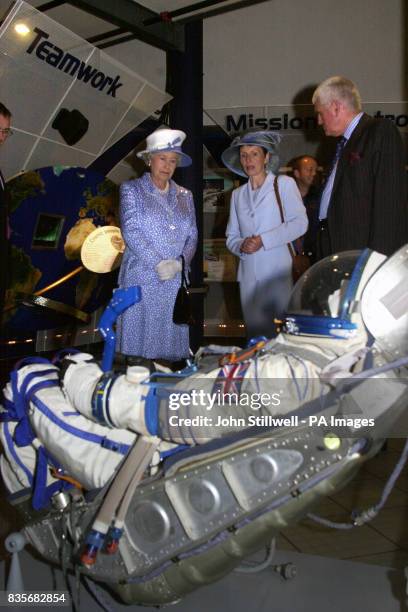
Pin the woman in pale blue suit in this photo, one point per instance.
(255, 232)
(158, 225)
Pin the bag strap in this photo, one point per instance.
(279, 201)
(181, 194)
(184, 282)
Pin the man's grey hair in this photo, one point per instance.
(340, 89)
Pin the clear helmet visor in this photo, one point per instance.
(323, 289)
(326, 301)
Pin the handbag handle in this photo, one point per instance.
(278, 199)
(183, 273)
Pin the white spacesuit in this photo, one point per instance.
(234, 445)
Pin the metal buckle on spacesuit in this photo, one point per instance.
(240, 356)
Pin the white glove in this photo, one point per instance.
(168, 268)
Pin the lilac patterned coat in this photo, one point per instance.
(155, 226)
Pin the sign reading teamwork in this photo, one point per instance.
(50, 77)
(72, 65)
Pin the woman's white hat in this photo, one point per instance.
(165, 140)
(267, 139)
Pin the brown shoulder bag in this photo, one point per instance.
(300, 262)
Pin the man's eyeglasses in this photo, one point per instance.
(6, 132)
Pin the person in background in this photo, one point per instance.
(5, 132)
(364, 200)
(255, 232)
(304, 171)
(158, 225)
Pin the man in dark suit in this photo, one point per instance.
(364, 200)
(5, 131)
(304, 171)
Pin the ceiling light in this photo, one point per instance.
(22, 29)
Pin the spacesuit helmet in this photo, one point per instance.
(325, 301)
(384, 305)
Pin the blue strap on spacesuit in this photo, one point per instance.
(156, 391)
(100, 399)
(17, 410)
(151, 410)
(8, 414)
(11, 448)
(151, 415)
(42, 494)
(24, 434)
(103, 441)
(30, 361)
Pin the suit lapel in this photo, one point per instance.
(248, 203)
(348, 147)
(265, 189)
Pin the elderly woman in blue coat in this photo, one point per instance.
(255, 232)
(158, 225)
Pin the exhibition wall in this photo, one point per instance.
(265, 54)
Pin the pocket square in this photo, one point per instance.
(354, 157)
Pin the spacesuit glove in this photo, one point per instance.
(168, 268)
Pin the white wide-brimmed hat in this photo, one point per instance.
(166, 140)
(266, 139)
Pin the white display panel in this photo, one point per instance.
(46, 68)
